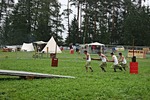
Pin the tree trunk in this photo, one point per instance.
(68, 22)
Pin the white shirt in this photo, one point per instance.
(124, 60)
(89, 57)
(103, 58)
(115, 60)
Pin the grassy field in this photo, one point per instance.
(95, 85)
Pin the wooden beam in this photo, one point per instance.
(31, 75)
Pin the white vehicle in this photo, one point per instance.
(119, 48)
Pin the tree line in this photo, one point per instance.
(125, 22)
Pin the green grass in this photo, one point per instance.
(86, 86)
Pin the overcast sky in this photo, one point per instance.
(64, 6)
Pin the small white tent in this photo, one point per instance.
(95, 47)
(51, 47)
(27, 47)
(96, 43)
(40, 42)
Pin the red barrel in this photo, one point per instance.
(133, 67)
(54, 62)
(71, 51)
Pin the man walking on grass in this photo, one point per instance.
(123, 61)
(115, 62)
(104, 60)
(88, 61)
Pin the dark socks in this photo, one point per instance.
(103, 69)
(91, 69)
(114, 69)
(120, 68)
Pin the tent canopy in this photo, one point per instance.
(51, 47)
(40, 42)
(27, 47)
(95, 47)
(96, 43)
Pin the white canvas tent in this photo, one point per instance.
(51, 47)
(27, 47)
(13, 47)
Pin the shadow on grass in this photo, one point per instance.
(25, 78)
(10, 79)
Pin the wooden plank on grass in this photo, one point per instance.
(31, 75)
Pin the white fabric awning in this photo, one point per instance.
(40, 42)
(96, 43)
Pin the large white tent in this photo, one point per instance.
(27, 47)
(51, 47)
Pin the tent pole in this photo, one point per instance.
(47, 51)
(55, 50)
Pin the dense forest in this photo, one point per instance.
(107, 21)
